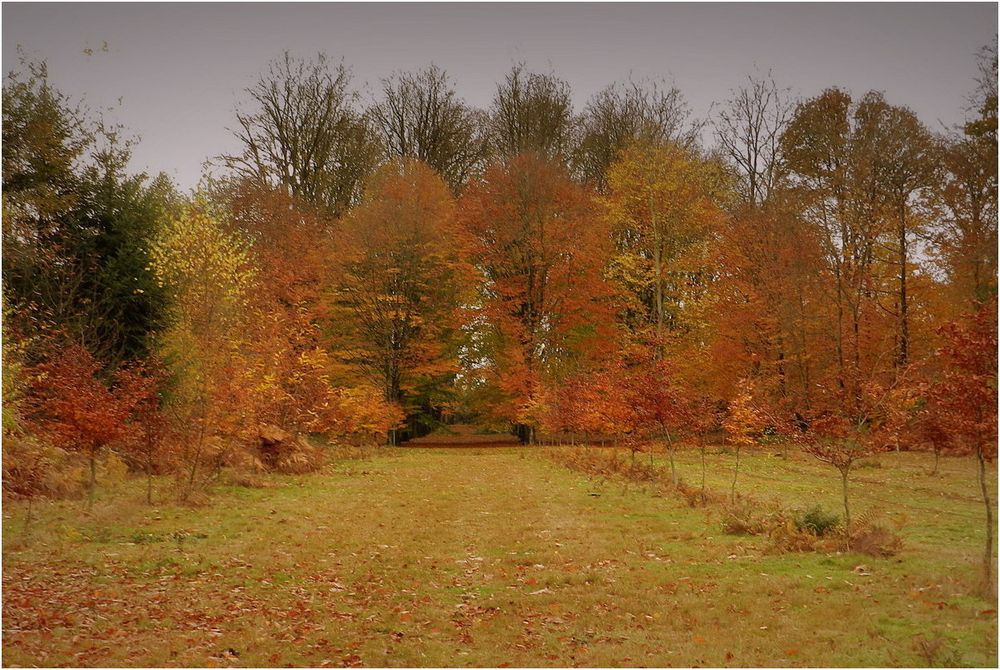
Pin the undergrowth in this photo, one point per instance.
(787, 530)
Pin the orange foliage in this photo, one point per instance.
(540, 249)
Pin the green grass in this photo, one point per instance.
(490, 557)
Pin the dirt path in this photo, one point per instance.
(444, 557)
(463, 435)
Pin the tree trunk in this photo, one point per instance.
(736, 473)
(658, 264)
(988, 554)
(802, 354)
(197, 452)
(904, 326)
(659, 299)
(781, 367)
(841, 366)
(670, 453)
(194, 469)
(702, 471)
(847, 510)
(93, 480)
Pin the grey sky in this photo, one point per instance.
(179, 69)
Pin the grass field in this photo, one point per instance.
(499, 556)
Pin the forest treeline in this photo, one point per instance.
(823, 270)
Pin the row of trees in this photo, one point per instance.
(826, 271)
(304, 130)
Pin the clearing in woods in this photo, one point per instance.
(499, 556)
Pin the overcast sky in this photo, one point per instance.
(180, 69)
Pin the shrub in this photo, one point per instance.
(817, 521)
(744, 518)
(33, 468)
(351, 452)
(112, 470)
(873, 538)
(791, 537)
(298, 458)
(695, 497)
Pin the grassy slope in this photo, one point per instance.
(469, 557)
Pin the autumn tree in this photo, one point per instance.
(966, 233)
(704, 417)
(768, 316)
(419, 115)
(301, 132)
(744, 423)
(72, 407)
(286, 364)
(660, 205)
(540, 248)
(206, 272)
(895, 163)
(829, 167)
(532, 113)
(401, 280)
(622, 114)
(660, 402)
(965, 199)
(982, 123)
(364, 413)
(840, 438)
(964, 398)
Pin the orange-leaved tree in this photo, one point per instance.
(842, 438)
(744, 424)
(286, 367)
(543, 309)
(401, 281)
(659, 401)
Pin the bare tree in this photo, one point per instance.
(420, 116)
(303, 134)
(532, 113)
(748, 131)
(983, 101)
(622, 113)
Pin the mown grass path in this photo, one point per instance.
(463, 557)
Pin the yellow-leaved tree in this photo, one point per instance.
(207, 275)
(661, 203)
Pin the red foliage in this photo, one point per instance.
(147, 428)
(964, 398)
(70, 406)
